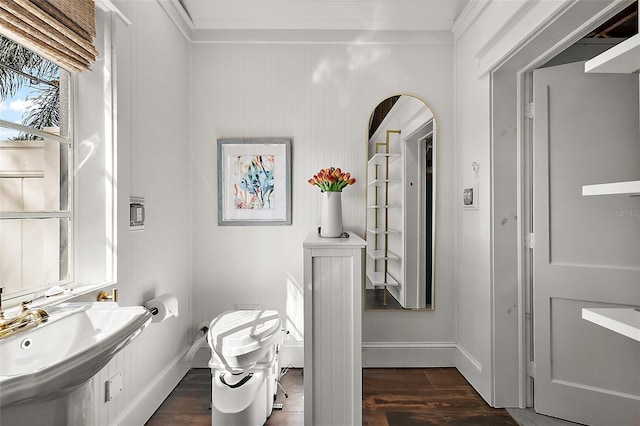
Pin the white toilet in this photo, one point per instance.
(244, 366)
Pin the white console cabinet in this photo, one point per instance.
(333, 283)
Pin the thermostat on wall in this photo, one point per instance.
(475, 167)
(136, 213)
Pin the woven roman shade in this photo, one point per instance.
(61, 30)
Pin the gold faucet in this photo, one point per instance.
(25, 320)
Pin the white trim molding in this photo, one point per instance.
(109, 6)
(468, 17)
(520, 20)
(471, 369)
(179, 17)
(292, 354)
(468, 358)
(408, 354)
(184, 23)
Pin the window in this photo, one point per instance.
(57, 172)
(35, 162)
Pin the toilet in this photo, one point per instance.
(244, 366)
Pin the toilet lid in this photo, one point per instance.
(235, 333)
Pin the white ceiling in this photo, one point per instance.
(382, 15)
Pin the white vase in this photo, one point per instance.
(331, 221)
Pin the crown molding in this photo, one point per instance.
(468, 17)
(110, 7)
(321, 37)
(533, 18)
(182, 20)
(179, 16)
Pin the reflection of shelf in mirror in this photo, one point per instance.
(378, 279)
(382, 182)
(625, 321)
(617, 188)
(383, 231)
(384, 206)
(623, 58)
(380, 159)
(381, 255)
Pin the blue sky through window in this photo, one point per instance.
(36, 103)
(13, 108)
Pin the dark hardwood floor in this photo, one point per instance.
(391, 397)
(424, 396)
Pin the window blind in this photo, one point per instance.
(61, 30)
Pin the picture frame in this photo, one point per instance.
(254, 182)
(470, 197)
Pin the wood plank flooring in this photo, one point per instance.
(424, 396)
(391, 397)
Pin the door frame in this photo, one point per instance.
(418, 139)
(509, 243)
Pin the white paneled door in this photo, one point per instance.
(587, 249)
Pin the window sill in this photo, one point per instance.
(12, 306)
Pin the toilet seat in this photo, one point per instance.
(241, 338)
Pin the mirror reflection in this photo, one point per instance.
(401, 176)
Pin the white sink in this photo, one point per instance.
(62, 354)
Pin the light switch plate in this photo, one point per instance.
(136, 213)
(470, 197)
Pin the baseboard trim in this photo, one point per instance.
(292, 354)
(374, 354)
(408, 354)
(466, 358)
(471, 369)
(138, 411)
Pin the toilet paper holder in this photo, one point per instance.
(162, 307)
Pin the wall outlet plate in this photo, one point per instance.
(113, 387)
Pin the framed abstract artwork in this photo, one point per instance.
(254, 182)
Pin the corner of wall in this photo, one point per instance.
(178, 16)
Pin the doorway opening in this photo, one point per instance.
(620, 27)
(515, 245)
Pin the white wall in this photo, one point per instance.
(473, 261)
(151, 61)
(321, 96)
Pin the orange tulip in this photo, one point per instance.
(332, 179)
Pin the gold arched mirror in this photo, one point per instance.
(401, 199)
